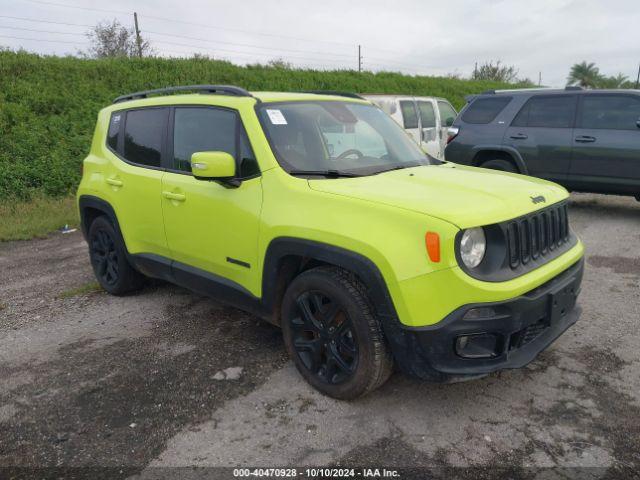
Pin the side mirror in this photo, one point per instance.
(638, 123)
(213, 165)
(449, 121)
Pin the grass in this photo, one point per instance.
(81, 290)
(49, 105)
(35, 218)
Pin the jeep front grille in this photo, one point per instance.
(537, 234)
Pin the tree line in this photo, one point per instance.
(112, 39)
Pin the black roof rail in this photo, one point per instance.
(573, 87)
(335, 92)
(211, 89)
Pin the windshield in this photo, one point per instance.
(337, 138)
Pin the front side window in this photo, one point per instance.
(617, 112)
(447, 114)
(485, 110)
(554, 111)
(427, 114)
(143, 135)
(203, 129)
(337, 136)
(409, 114)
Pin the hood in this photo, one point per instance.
(464, 196)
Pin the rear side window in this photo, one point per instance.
(447, 114)
(616, 112)
(427, 115)
(409, 114)
(485, 110)
(114, 131)
(143, 133)
(210, 129)
(555, 111)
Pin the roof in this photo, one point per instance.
(554, 91)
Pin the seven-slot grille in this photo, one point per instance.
(537, 234)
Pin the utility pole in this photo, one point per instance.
(475, 70)
(138, 40)
(638, 79)
(359, 58)
(539, 79)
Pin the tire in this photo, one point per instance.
(500, 164)
(338, 345)
(109, 259)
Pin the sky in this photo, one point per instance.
(426, 37)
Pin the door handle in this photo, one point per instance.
(114, 181)
(519, 136)
(585, 139)
(178, 197)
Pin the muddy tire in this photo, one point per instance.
(332, 334)
(109, 259)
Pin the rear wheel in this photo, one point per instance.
(109, 260)
(332, 335)
(500, 164)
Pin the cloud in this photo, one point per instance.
(414, 36)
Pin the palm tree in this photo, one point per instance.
(619, 81)
(584, 74)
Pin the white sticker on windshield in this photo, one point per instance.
(276, 117)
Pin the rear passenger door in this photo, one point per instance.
(606, 148)
(133, 176)
(210, 226)
(542, 132)
(430, 130)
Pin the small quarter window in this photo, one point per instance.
(114, 131)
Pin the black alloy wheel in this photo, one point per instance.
(324, 338)
(104, 257)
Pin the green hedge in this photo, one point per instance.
(48, 105)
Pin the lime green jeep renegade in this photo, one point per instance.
(319, 214)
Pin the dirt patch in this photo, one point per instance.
(116, 405)
(622, 265)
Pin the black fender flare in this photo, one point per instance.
(366, 270)
(517, 158)
(87, 202)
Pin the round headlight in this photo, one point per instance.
(473, 245)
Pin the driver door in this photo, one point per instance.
(210, 226)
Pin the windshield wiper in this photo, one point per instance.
(398, 167)
(324, 173)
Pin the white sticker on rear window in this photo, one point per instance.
(276, 117)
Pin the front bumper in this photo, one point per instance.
(519, 329)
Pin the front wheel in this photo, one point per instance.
(332, 334)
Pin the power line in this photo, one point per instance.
(41, 31)
(47, 21)
(38, 39)
(248, 45)
(54, 4)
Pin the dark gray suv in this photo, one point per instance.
(585, 140)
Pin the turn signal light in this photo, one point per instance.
(432, 240)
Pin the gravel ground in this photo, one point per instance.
(167, 378)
